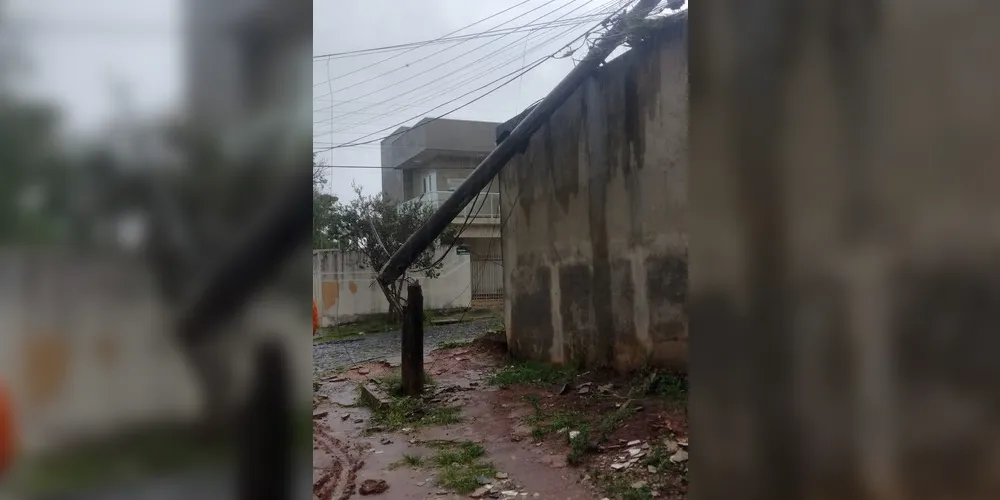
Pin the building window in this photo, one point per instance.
(430, 183)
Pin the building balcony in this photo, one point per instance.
(485, 208)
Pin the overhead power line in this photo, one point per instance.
(458, 70)
(479, 75)
(456, 38)
(398, 68)
(508, 9)
(523, 71)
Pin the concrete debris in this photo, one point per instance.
(671, 445)
(373, 487)
(509, 493)
(634, 443)
(679, 457)
(584, 390)
(651, 469)
(480, 492)
(363, 371)
(320, 414)
(634, 452)
(344, 417)
(485, 481)
(502, 475)
(606, 388)
(683, 442)
(385, 441)
(573, 434)
(369, 396)
(619, 465)
(638, 485)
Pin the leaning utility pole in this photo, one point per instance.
(498, 158)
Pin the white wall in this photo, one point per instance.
(344, 290)
(86, 350)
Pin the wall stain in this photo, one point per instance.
(330, 294)
(668, 278)
(46, 361)
(353, 287)
(531, 315)
(577, 307)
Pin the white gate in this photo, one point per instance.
(487, 278)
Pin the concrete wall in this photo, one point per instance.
(595, 251)
(86, 351)
(344, 289)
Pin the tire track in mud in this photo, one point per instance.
(339, 480)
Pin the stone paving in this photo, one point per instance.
(377, 346)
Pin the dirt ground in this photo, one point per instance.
(633, 444)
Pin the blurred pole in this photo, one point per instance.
(265, 445)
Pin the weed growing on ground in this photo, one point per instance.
(454, 344)
(459, 464)
(620, 488)
(400, 412)
(579, 446)
(669, 385)
(530, 373)
(408, 461)
(392, 382)
(544, 423)
(612, 421)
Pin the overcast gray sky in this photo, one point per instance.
(349, 113)
(79, 49)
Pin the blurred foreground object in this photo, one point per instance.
(8, 432)
(845, 297)
(315, 318)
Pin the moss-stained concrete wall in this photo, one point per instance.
(595, 247)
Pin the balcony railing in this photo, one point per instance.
(484, 206)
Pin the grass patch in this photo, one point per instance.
(530, 373)
(669, 385)
(544, 423)
(460, 464)
(408, 461)
(374, 323)
(612, 421)
(621, 489)
(400, 412)
(136, 456)
(392, 382)
(453, 344)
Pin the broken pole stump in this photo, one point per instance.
(413, 342)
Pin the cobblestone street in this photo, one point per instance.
(378, 346)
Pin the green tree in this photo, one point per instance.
(326, 215)
(375, 226)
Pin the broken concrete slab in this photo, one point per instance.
(371, 397)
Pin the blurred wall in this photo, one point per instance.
(87, 352)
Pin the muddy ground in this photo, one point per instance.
(493, 429)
